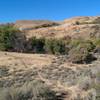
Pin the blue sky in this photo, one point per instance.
(12, 10)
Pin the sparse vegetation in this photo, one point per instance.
(79, 55)
(82, 43)
(21, 84)
(11, 39)
(55, 46)
(85, 83)
(50, 46)
(97, 45)
(35, 90)
(81, 51)
(50, 77)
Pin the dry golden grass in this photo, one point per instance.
(61, 76)
(21, 60)
(67, 27)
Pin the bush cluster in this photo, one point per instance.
(50, 46)
(81, 51)
(78, 50)
(11, 38)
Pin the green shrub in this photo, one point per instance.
(37, 45)
(55, 46)
(43, 45)
(58, 47)
(2, 47)
(82, 43)
(49, 48)
(87, 45)
(96, 42)
(11, 38)
(75, 42)
(81, 53)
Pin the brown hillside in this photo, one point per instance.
(75, 27)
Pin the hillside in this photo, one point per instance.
(50, 60)
(84, 27)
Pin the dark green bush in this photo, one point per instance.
(36, 45)
(59, 47)
(11, 39)
(43, 45)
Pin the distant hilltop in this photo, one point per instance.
(33, 24)
(76, 27)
